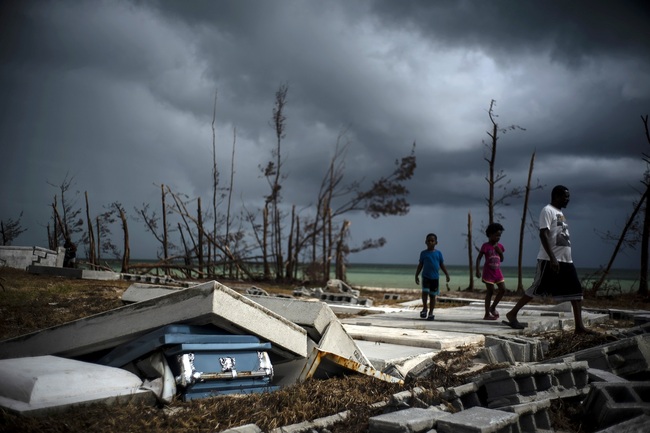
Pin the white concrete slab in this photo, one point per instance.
(43, 384)
(139, 292)
(413, 337)
(469, 319)
(208, 303)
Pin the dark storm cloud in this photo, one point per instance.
(571, 32)
(120, 95)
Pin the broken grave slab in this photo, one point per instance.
(43, 384)
(320, 322)
(413, 337)
(208, 303)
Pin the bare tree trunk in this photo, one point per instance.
(230, 188)
(99, 241)
(297, 249)
(520, 283)
(621, 238)
(125, 228)
(215, 177)
(186, 256)
(470, 247)
(340, 271)
(265, 236)
(199, 251)
(164, 221)
(643, 277)
(91, 234)
(491, 162)
(290, 258)
(327, 241)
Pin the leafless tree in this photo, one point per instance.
(67, 218)
(274, 176)
(495, 178)
(522, 226)
(10, 229)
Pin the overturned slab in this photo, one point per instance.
(208, 303)
(320, 322)
(313, 316)
(44, 384)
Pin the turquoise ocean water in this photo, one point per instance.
(403, 277)
(390, 276)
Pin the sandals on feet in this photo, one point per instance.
(495, 313)
(489, 317)
(514, 324)
(423, 314)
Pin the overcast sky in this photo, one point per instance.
(119, 96)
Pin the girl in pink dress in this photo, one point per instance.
(492, 250)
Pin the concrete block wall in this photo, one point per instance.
(519, 385)
(22, 257)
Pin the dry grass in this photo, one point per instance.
(30, 302)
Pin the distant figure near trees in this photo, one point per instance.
(556, 274)
(70, 257)
(492, 276)
(431, 261)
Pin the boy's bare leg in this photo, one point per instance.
(432, 304)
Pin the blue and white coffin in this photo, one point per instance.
(204, 360)
(205, 370)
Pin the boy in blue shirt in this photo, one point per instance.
(430, 263)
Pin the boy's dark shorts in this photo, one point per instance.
(431, 286)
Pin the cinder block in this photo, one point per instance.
(499, 388)
(533, 417)
(479, 420)
(464, 396)
(407, 420)
(498, 354)
(611, 403)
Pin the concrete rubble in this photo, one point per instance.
(304, 338)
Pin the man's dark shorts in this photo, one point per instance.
(561, 286)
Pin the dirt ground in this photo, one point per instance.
(32, 302)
